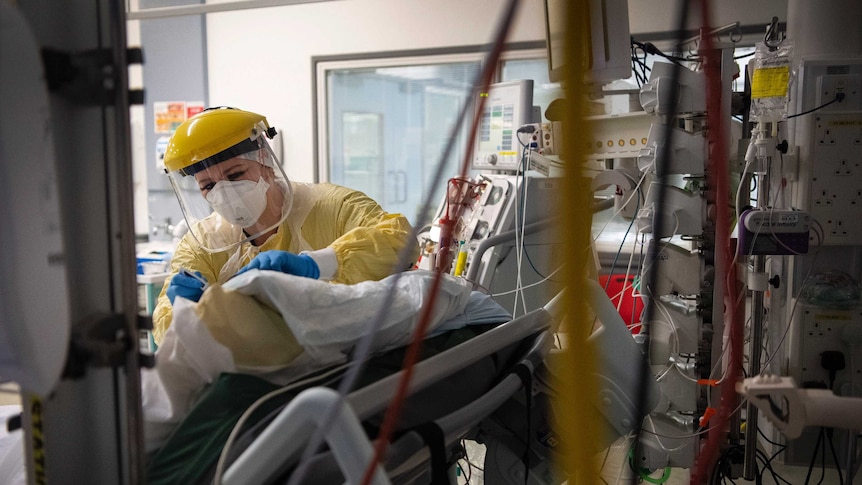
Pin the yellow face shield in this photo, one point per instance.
(229, 183)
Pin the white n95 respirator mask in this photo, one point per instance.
(240, 202)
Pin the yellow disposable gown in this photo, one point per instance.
(366, 241)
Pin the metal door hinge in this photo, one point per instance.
(88, 77)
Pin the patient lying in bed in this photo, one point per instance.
(279, 327)
(282, 327)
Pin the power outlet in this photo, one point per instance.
(839, 228)
(844, 168)
(823, 198)
(830, 85)
(816, 329)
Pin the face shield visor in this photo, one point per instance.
(236, 195)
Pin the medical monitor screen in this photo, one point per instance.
(605, 37)
(508, 106)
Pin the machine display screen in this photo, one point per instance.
(497, 129)
(507, 107)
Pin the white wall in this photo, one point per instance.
(260, 59)
(662, 15)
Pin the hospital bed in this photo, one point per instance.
(463, 385)
(467, 374)
(472, 383)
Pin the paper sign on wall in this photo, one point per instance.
(168, 115)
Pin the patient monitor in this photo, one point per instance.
(507, 107)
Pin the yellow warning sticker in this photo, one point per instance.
(770, 82)
(826, 316)
(845, 123)
(38, 441)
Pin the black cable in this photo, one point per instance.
(646, 69)
(762, 435)
(822, 458)
(814, 456)
(625, 236)
(768, 462)
(717, 471)
(635, 72)
(767, 465)
(838, 98)
(835, 459)
(605, 460)
(650, 48)
(468, 474)
(523, 372)
(638, 63)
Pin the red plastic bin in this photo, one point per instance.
(620, 283)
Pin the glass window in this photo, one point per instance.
(388, 128)
(386, 122)
(362, 151)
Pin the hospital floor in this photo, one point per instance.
(615, 470)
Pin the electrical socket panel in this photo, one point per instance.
(836, 198)
(819, 329)
(830, 139)
(830, 85)
(825, 329)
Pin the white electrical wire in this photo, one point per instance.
(627, 273)
(664, 246)
(659, 435)
(635, 191)
(624, 449)
(520, 207)
(792, 310)
(670, 323)
(546, 278)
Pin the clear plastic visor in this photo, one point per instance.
(234, 200)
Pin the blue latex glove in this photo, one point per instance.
(187, 286)
(299, 265)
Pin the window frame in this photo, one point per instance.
(322, 64)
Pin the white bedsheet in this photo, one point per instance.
(326, 319)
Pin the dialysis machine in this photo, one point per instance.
(795, 253)
(496, 228)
